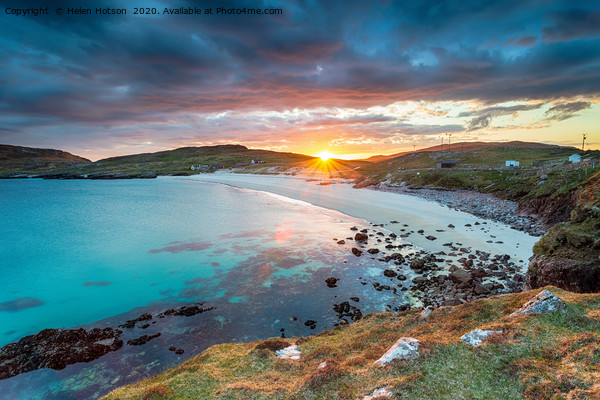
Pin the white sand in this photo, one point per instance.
(382, 207)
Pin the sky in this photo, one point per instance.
(353, 77)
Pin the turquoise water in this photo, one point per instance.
(86, 250)
(96, 253)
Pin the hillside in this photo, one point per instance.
(206, 159)
(466, 146)
(537, 356)
(18, 160)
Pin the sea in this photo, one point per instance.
(96, 253)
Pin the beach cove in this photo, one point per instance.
(280, 258)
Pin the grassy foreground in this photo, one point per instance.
(552, 356)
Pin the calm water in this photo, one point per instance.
(96, 253)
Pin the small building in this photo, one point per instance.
(218, 166)
(447, 164)
(257, 161)
(574, 158)
(511, 163)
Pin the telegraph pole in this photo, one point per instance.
(449, 135)
(583, 143)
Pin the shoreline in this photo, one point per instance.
(425, 216)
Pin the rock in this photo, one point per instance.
(405, 348)
(401, 277)
(331, 282)
(361, 237)
(460, 276)
(179, 352)
(131, 323)
(419, 280)
(378, 393)
(356, 252)
(430, 237)
(185, 311)
(354, 228)
(544, 302)
(450, 226)
(480, 289)
(53, 348)
(290, 352)
(341, 242)
(389, 273)
(543, 177)
(417, 263)
(572, 275)
(373, 251)
(142, 339)
(476, 336)
(310, 323)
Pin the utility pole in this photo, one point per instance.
(449, 135)
(442, 148)
(583, 143)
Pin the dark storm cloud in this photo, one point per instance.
(572, 24)
(563, 111)
(484, 117)
(112, 70)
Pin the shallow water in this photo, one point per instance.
(96, 253)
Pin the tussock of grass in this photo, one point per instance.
(554, 356)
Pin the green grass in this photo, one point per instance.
(536, 357)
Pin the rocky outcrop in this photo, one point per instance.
(290, 352)
(53, 348)
(571, 275)
(405, 348)
(477, 336)
(544, 302)
(550, 209)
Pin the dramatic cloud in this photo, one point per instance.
(484, 117)
(150, 82)
(563, 111)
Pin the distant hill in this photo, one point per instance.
(466, 146)
(15, 160)
(22, 161)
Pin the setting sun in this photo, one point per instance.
(324, 155)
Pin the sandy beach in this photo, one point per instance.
(412, 213)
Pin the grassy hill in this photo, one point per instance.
(179, 161)
(540, 356)
(17, 160)
(467, 146)
(482, 170)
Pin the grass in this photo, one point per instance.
(536, 357)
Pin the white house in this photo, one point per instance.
(574, 158)
(511, 163)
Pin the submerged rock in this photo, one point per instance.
(53, 348)
(142, 339)
(405, 348)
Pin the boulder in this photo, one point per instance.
(477, 336)
(389, 273)
(361, 237)
(331, 282)
(378, 393)
(460, 276)
(290, 352)
(356, 252)
(544, 302)
(405, 348)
